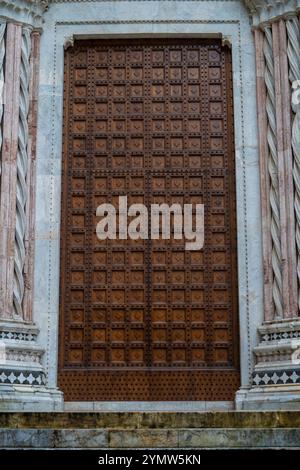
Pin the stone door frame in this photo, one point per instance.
(59, 34)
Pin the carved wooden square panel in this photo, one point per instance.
(147, 319)
(101, 73)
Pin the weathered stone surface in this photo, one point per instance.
(144, 438)
(80, 438)
(150, 438)
(154, 430)
(239, 438)
(26, 438)
(155, 421)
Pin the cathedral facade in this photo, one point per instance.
(163, 101)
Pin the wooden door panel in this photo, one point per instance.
(146, 319)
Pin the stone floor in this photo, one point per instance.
(108, 430)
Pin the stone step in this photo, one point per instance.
(111, 430)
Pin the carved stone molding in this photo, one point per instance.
(20, 355)
(278, 355)
(266, 11)
(69, 42)
(276, 376)
(17, 334)
(22, 377)
(24, 11)
(279, 331)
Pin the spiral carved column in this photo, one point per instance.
(2, 56)
(22, 165)
(8, 167)
(293, 30)
(23, 380)
(273, 173)
(22, 366)
(276, 375)
(278, 62)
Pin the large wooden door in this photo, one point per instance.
(148, 320)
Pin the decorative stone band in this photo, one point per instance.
(17, 335)
(24, 377)
(281, 335)
(279, 331)
(20, 355)
(278, 355)
(266, 11)
(276, 377)
(24, 11)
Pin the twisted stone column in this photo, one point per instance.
(293, 31)
(293, 49)
(8, 166)
(2, 56)
(273, 173)
(276, 375)
(296, 169)
(22, 165)
(22, 375)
